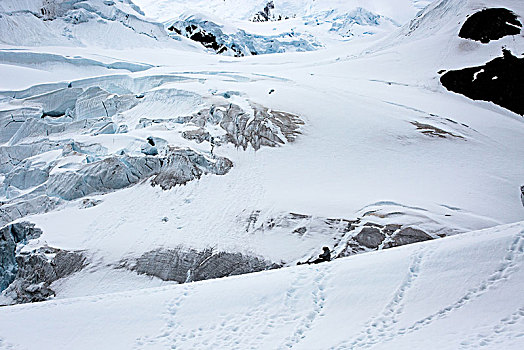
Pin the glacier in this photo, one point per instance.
(166, 165)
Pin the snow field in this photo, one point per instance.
(454, 293)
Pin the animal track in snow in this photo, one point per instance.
(244, 330)
(169, 332)
(507, 267)
(319, 301)
(504, 329)
(378, 326)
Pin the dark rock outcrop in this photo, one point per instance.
(490, 24)
(433, 131)
(89, 203)
(198, 34)
(186, 265)
(370, 237)
(500, 81)
(265, 14)
(408, 235)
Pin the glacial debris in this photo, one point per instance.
(187, 265)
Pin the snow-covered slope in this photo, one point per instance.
(461, 292)
(109, 24)
(238, 10)
(130, 160)
(233, 27)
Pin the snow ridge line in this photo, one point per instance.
(507, 267)
(500, 331)
(319, 301)
(377, 326)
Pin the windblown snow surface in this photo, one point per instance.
(457, 293)
(138, 163)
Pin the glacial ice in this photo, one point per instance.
(35, 59)
(357, 22)
(183, 165)
(37, 22)
(241, 43)
(37, 270)
(257, 127)
(46, 162)
(10, 236)
(103, 176)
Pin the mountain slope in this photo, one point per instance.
(454, 293)
(126, 158)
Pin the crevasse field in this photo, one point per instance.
(164, 166)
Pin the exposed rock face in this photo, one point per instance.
(490, 24)
(345, 237)
(370, 237)
(183, 165)
(500, 81)
(258, 127)
(408, 235)
(265, 15)
(38, 269)
(207, 39)
(10, 236)
(191, 265)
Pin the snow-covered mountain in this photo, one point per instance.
(157, 143)
(109, 24)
